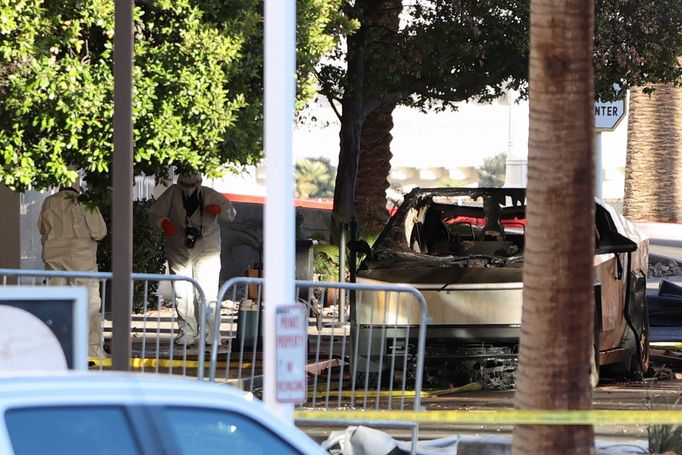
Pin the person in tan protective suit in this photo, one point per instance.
(69, 232)
(188, 214)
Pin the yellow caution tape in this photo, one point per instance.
(360, 394)
(164, 363)
(666, 344)
(323, 393)
(506, 417)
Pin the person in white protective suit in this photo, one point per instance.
(188, 215)
(70, 231)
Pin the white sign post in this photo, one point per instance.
(292, 342)
(279, 249)
(607, 116)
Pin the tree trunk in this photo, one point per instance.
(346, 173)
(351, 125)
(375, 140)
(558, 302)
(374, 169)
(653, 168)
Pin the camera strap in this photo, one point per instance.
(190, 209)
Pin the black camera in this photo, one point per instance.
(192, 234)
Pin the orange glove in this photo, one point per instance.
(168, 228)
(213, 209)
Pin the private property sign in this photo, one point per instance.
(291, 334)
(607, 115)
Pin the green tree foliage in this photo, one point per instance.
(198, 85)
(314, 178)
(636, 44)
(443, 53)
(492, 172)
(447, 52)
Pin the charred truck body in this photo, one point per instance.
(462, 248)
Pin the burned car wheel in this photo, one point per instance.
(638, 324)
(639, 360)
(639, 364)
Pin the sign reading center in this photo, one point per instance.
(607, 115)
(291, 334)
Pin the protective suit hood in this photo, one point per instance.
(190, 178)
(190, 183)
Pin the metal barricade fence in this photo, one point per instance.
(153, 328)
(374, 358)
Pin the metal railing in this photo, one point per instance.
(370, 359)
(153, 328)
(373, 358)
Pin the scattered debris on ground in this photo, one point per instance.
(663, 266)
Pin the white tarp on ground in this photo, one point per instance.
(360, 440)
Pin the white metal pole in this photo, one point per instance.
(598, 168)
(510, 163)
(280, 90)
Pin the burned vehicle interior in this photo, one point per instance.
(446, 231)
(461, 227)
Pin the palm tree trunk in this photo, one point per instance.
(653, 167)
(373, 170)
(558, 301)
(374, 166)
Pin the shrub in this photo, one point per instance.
(148, 252)
(665, 439)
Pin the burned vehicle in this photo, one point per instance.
(462, 248)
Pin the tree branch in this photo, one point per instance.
(387, 99)
(421, 88)
(328, 95)
(331, 103)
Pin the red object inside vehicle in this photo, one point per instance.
(480, 222)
